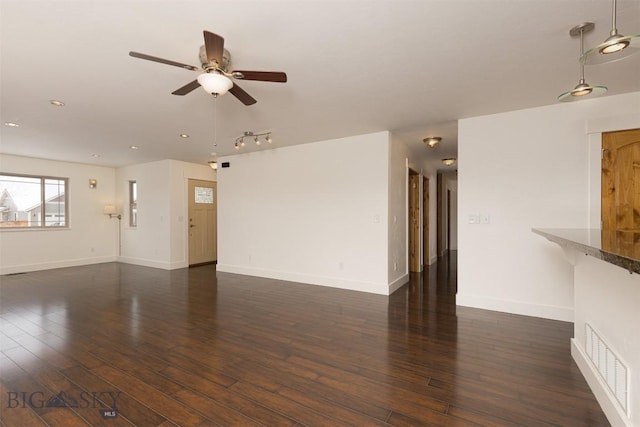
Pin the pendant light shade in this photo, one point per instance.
(614, 48)
(582, 89)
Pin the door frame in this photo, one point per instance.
(187, 222)
(426, 258)
(413, 243)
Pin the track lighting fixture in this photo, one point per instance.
(615, 47)
(582, 89)
(256, 138)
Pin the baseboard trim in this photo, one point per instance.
(600, 390)
(152, 263)
(332, 282)
(564, 314)
(398, 283)
(26, 268)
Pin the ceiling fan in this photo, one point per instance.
(216, 78)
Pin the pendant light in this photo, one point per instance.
(582, 89)
(615, 47)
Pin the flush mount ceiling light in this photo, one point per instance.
(582, 89)
(449, 161)
(184, 135)
(215, 83)
(248, 134)
(134, 147)
(615, 47)
(213, 164)
(12, 124)
(432, 141)
(56, 103)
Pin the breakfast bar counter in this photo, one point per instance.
(606, 315)
(621, 248)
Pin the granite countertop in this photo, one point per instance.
(621, 248)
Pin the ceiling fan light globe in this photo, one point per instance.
(214, 83)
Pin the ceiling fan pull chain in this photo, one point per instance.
(215, 122)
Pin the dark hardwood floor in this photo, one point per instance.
(193, 347)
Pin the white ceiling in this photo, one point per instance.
(354, 67)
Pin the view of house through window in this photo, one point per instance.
(33, 201)
(133, 204)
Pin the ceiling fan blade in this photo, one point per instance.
(263, 76)
(186, 88)
(243, 96)
(214, 44)
(162, 61)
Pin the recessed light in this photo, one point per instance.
(134, 147)
(184, 135)
(56, 103)
(11, 124)
(95, 155)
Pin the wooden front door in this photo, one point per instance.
(621, 191)
(202, 222)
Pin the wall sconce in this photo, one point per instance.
(248, 134)
(111, 211)
(213, 164)
(432, 141)
(93, 183)
(449, 162)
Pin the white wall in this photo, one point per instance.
(161, 237)
(397, 260)
(314, 213)
(527, 168)
(91, 236)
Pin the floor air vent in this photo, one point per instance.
(610, 367)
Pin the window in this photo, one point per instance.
(204, 195)
(133, 204)
(33, 201)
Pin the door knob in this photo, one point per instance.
(191, 225)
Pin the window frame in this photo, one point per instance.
(43, 208)
(133, 204)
